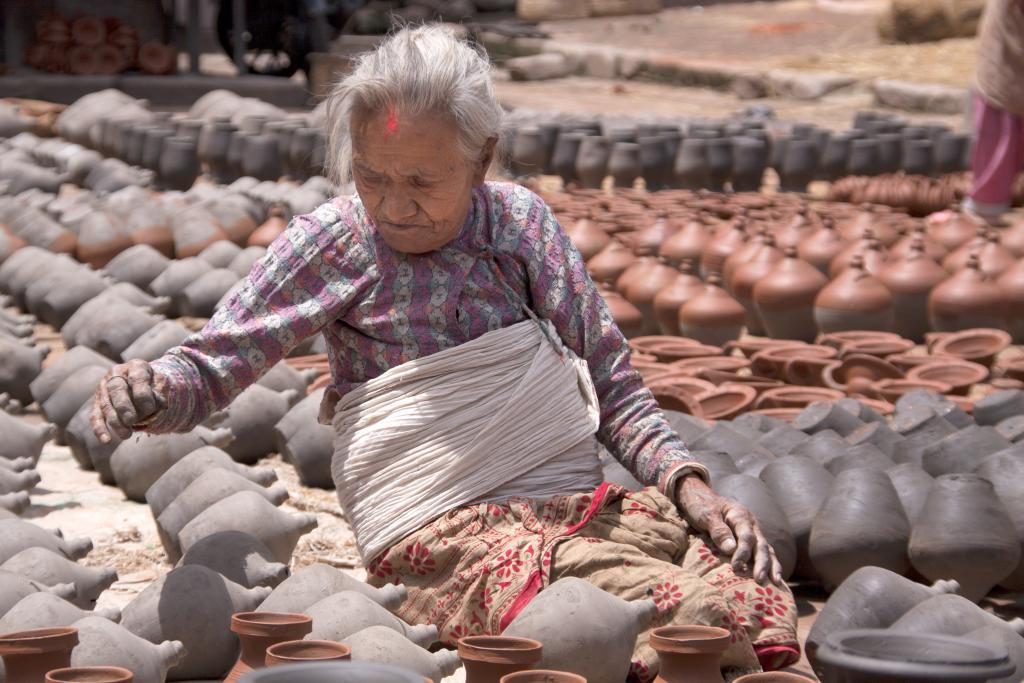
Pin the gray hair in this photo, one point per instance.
(425, 69)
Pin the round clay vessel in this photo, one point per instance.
(785, 298)
(722, 245)
(961, 375)
(951, 230)
(796, 397)
(587, 237)
(855, 300)
(667, 302)
(28, 655)
(980, 346)
(90, 674)
(687, 243)
(259, 630)
(488, 658)
(611, 262)
(688, 654)
(772, 361)
(650, 276)
(743, 254)
(747, 274)
(800, 486)
(628, 318)
(771, 677)
(861, 524)
(967, 299)
(880, 655)
(993, 258)
(911, 279)
(298, 651)
(821, 246)
(892, 389)
(712, 317)
(963, 520)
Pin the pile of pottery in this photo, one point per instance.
(706, 266)
(47, 611)
(930, 489)
(716, 154)
(89, 46)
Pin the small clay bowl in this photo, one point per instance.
(807, 372)
(862, 368)
(771, 362)
(980, 345)
(959, 374)
(670, 397)
(1015, 369)
(727, 402)
(683, 381)
(839, 339)
(907, 361)
(892, 389)
(650, 371)
(748, 346)
(90, 674)
(758, 384)
(295, 651)
(542, 676)
(642, 356)
(493, 656)
(797, 397)
(726, 363)
(879, 348)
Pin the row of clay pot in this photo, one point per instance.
(876, 598)
(841, 486)
(774, 265)
(90, 45)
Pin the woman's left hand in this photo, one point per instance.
(731, 526)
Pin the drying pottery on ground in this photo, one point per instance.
(382, 645)
(257, 631)
(104, 643)
(182, 473)
(311, 584)
(51, 569)
(340, 615)
(238, 557)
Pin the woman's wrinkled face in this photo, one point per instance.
(413, 178)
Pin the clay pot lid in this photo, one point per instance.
(690, 639)
(879, 348)
(960, 374)
(720, 377)
(542, 676)
(39, 640)
(749, 345)
(501, 649)
(839, 339)
(807, 371)
(771, 362)
(90, 674)
(727, 363)
(892, 389)
(797, 397)
(668, 349)
(291, 651)
(863, 366)
(650, 371)
(727, 401)
(980, 345)
(270, 624)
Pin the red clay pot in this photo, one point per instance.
(892, 389)
(689, 654)
(90, 674)
(488, 658)
(727, 402)
(29, 655)
(257, 631)
(959, 374)
(980, 345)
(796, 397)
(299, 651)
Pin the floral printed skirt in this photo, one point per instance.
(474, 569)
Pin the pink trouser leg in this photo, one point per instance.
(998, 153)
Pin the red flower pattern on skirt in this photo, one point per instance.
(418, 557)
(733, 623)
(769, 602)
(667, 595)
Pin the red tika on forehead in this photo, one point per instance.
(392, 123)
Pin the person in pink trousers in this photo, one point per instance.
(999, 109)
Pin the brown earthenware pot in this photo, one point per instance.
(1011, 286)
(686, 285)
(979, 345)
(771, 362)
(961, 375)
(611, 262)
(299, 651)
(727, 402)
(892, 389)
(542, 676)
(257, 631)
(722, 245)
(270, 230)
(910, 280)
(857, 373)
(747, 274)
(797, 397)
(712, 317)
(785, 298)
(90, 674)
(952, 230)
(855, 300)
(628, 318)
(689, 654)
(650, 275)
(724, 363)
(822, 246)
(688, 243)
(488, 658)
(880, 348)
(28, 655)
(587, 237)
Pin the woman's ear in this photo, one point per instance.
(486, 157)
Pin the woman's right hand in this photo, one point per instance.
(129, 394)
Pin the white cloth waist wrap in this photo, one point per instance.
(511, 413)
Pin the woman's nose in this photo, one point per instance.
(396, 206)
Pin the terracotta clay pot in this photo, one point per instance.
(951, 229)
(650, 275)
(771, 677)
(587, 237)
(727, 402)
(689, 654)
(270, 229)
(667, 302)
(854, 301)
(963, 520)
(892, 389)
(980, 346)
(785, 298)
(611, 262)
(822, 246)
(543, 676)
(961, 375)
(28, 655)
(967, 299)
(689, 242)
(993, 258)
(627, 317)
(747, 274)
(90, 674)
(722, 245)
(259, 630)
(910, 280)
(298, 651)
(712, 317)
(488, 658)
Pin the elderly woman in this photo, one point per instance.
(476, 374)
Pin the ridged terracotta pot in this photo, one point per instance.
(689, 654)
(257, 631)
(29, 655)
(489, 658)
(299, 651)
(90, 674)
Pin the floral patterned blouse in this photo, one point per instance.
(331, 273)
